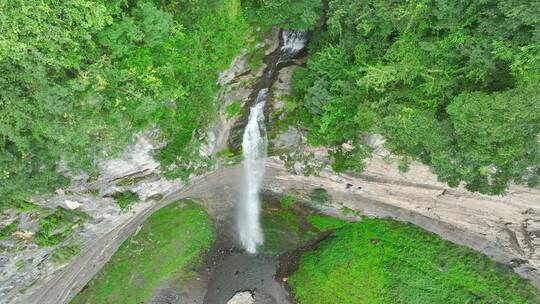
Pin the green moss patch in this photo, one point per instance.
(63, 254)
(234, 109)
(126, 199)
(256, 57)
(284, 224)
(131, 180)
(7, 230)
(168, 248)
(22, 205)
(384, 261)
(58, 226)
(319, 196)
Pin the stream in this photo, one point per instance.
(254, 146)
(250, 239)
(254, 141)
(232, 269)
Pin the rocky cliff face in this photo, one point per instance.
(503, 227)
(506, 228)
(134, 171)
(42, 280)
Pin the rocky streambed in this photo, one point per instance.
(230, 270)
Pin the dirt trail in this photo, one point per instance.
(497, 226)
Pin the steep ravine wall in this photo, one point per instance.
(506, 228)
(494, 226)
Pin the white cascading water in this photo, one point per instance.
(254, 151)
(254, 144)
(293, 42)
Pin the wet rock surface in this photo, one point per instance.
(228, 269)
(242, 297)
(290, 139)
(241, 271)
(166, 297)
(289, 51)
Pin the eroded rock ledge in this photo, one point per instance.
(505, 228)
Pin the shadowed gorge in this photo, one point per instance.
(254, 143)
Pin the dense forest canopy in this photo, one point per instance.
(80, 78)
(454, 84)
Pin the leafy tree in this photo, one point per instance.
(80, 78)
(452, 84)
(43, 45)
(496, 136)
(291, 14)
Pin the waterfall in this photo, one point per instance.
(254, 150)
(293, 42)
(254, 144)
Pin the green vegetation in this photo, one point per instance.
(55, 226)
(79, 78)
(20, 264)
(225, 152)
(8, 229)
(324, 223)
(281, 231)
(255, 59)
(287, 201)
(130, 180)
(63, 254)
(126, 199)
(348, 211)
(58, 226)
(454, 85)
(283, 118)
(319, 196)
(384, 261)
(290, 14)
(284, 228)
(167, 249)
(22, 206)
(234, 109)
